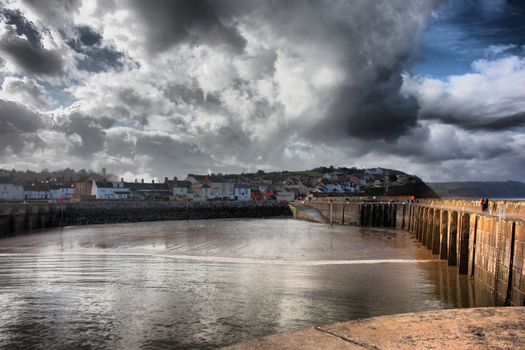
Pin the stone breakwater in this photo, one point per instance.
(22, 217)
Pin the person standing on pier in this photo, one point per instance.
(484, 203)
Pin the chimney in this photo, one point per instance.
(136, 180)
(166, 179)
(142, 180)
(174, 178)
(152, 181)
(121, 179)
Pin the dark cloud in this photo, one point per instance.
(88, 36)
(90, 130)
(16, 118)
(133, 98)
(229, 139)
(171, 22)
(95, 56)
(169, 156)
(19, 127)
(374, 111)
(372, 42)
(191, 95)
(99, 59)
(480, 122)
(283, 84)
(38, 61)
(23, 26)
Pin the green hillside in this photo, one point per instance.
(480, 189)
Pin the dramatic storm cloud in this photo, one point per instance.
(168, 87)
(18, 128)
(195, 22)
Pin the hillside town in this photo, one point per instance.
(280, 186)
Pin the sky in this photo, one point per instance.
(148, 89)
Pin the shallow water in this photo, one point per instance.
(199, 284)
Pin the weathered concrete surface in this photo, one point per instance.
(304, 212)
(306, 339)
(356, 214)
(477, 328)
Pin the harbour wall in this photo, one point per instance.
(16, 218)
(487, 245)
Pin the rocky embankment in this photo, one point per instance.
(88, 213)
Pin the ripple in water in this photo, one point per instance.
(204, 284)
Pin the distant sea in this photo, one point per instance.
(507, 198)
(491, 198)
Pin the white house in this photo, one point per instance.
(402, 179)
(242, 192)
(263, 188)
(374, 173)
(36, 192)
(335, 187)
(196, 192)
(200, 192)
(57, 192)
(181, 188)
(378, 183)
(285, 196)
(109, 190)
(145, 190)
(296, 183)
(10, 191)
(205, 192)
(221, 188)
(333, 175)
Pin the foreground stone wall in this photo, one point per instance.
(472, 328)
(22, 217)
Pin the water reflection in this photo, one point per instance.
(86, 300)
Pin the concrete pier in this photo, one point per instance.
(15, 218)
(488, 246)
(5, 220)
